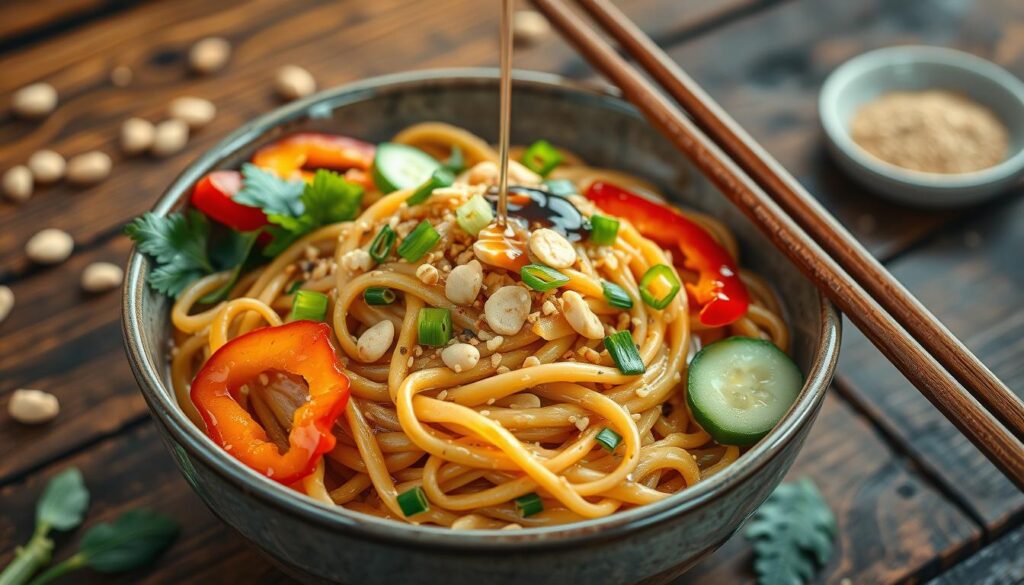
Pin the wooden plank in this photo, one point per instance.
(766, 70)
(24, 17)
(972, 279)
(893, 525)
(1000, 563)
(339, 43)
(135, 470)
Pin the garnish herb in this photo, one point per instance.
(177, 244)
(295, 286)
(542, 278)
(267, 191)
(441, 177)
(421, 239)
(308, 305)
(608, 439)
(541, 158)
(624, 353)
(328, 199)
(529, 504)
(616, 295)
(413, 501)
(792, 534)
(137, 537)
(61, 507)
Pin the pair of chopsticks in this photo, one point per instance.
(952, 378)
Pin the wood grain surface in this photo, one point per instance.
(913, 499)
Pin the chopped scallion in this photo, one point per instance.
(616, 295)
(434, 326)
(439, 178)
(379, 295)
(413, 502)
(541, 158)
(308, 305)
(608, 439)
(295, 286)
(542, 278)
(456, 162)
(603, 229)
(474, 215)
(380, 247)
(624, 353)
(659, 286)
(561, 187)
(529, 504)
(418, 242)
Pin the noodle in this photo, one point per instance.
(525, 418)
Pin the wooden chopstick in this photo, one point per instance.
(898, 346)
(812, 217)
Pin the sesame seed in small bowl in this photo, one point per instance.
(926, 126)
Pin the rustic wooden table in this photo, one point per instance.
(914, 500)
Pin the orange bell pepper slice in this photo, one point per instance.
(312, 150)
(302, 348)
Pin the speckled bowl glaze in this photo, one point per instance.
(650, 544)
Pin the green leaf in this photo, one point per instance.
(177, 244)
(234, 252)
(270, 193)
(136, 538)
(64, 501)
(328, 199)
(792, 534)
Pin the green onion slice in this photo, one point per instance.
(616, 295)
(529, 504)
(434, 326)
(542, 278)
(295, 286)
(608, 438)
(541, 158)
(441, 177)
(379, 295)
(474, 215)
(380, 247)
(456, 162)
(418, 242)
(413, 502)
(659, 286)
(308, 304)
(561, 187)
(603, 229)
(624, 353)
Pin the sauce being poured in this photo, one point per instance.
(533, 208)
(506, 109)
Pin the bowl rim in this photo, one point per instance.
(151, 376)
(852, 72)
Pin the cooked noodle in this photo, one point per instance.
(475, 440)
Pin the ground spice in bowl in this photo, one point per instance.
(933, 131)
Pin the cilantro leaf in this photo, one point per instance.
(328, 199)
(235, 253)
(792, 534)
(265, 190)
(177, 244)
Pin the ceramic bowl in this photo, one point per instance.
(868, 76)
(649, 544)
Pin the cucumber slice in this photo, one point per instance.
(738, 389)
(398, 166)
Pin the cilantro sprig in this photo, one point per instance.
(185, 247)
(792, 534)
(135, 538)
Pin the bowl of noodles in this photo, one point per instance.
(374, 376)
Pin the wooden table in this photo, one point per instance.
(914, 500)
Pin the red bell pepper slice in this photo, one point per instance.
(302, 348)
(311, 150)
(214, 196)
(719, 292)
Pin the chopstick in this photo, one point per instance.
(898, 346)
(812, 217)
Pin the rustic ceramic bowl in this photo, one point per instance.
(649, 544)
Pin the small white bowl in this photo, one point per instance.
(868, 76)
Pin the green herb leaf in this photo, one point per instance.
(177, 244)
(234, 252)
(330, 198)
(136, 538)
(792, 534)
(64, 501)
(272, 194)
